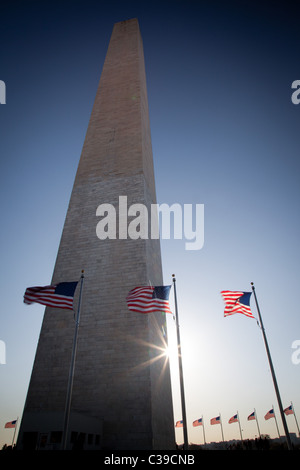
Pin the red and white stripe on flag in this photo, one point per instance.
(236, 302)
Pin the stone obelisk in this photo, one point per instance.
(122, 390)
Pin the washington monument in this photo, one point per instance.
(121, 390)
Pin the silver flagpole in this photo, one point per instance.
(288, 439)
(185, 435)
(221, 426)
(13, 439)
(295, 418)
(256, 422)
(238, 417)
(71, 372)
(203, 430)
(276, 421)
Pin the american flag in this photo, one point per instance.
(198, 422)
(233, 419)
(252, 416)
(289, 410)
(216, 420)
(270, 414)
(60, 295)
(148, 299)
(11, 424)
(179, 424)
(237, 302)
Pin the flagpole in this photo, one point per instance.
(238, 416)
(221, 426)
(276, 421)
(295, 418)
(288, 440)
(256, 422)
(71, 371)
(185, 435)
(203, 431)
(12, 443)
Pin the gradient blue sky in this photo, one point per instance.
(225, 134)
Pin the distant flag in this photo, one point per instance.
(289, 410)
(253, 417)
(233, 419)
(58, 296)
(216, 420)
(179, 424)
(148, 299)
(11, 424)
(198, 422)
(237, 302)
(270, 414)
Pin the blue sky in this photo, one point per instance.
(225, 134)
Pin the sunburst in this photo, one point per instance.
(157, 352)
